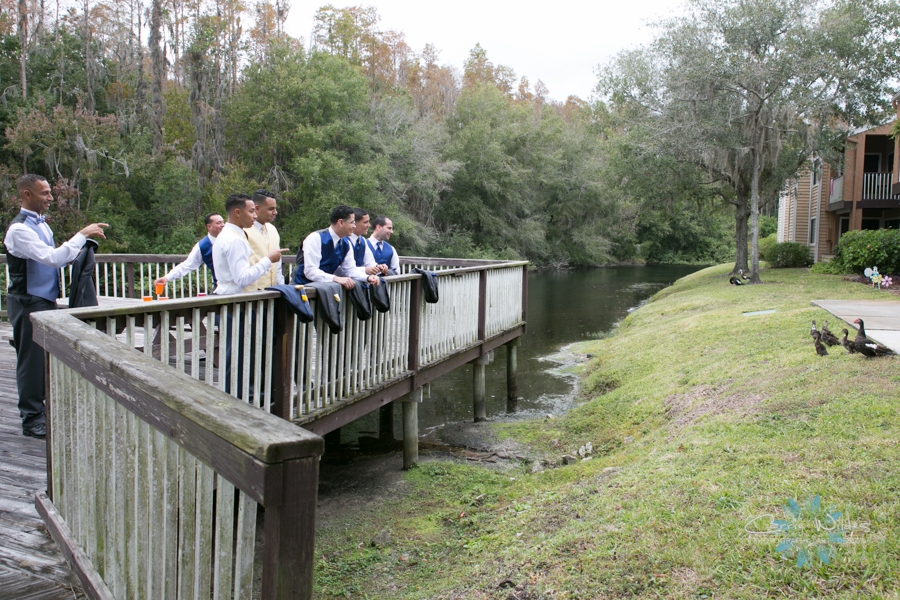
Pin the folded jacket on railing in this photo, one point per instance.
(381, 299)
(359, 298)
(82, 291)
(295, 296)
(429, 285)
(329, 296)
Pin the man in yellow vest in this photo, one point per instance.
(263, 238)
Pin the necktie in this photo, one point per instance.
(380, 246)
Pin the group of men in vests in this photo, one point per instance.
(242, 252)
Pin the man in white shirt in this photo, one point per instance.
(232, 252)
(231, 255)
(383, 253)
(325, 251)
(34, 264)
(200, 254)
(362, 254)
(263, 237)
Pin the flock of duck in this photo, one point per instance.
(861, 344)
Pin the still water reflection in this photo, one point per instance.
(563, 307)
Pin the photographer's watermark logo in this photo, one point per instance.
(808, 533)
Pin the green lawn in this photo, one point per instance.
(705, 425)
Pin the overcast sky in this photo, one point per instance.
(560, 43)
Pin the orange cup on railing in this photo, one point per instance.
(146, 298)
(160, 287)
(162, 297)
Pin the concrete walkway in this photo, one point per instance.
(881, 318)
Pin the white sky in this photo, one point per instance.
(560, 44)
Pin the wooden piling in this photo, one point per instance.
(512, 388)
(411, 429)
(478, 393)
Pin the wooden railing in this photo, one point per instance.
(144, 465)
(146, 448)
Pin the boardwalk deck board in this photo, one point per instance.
(31, 565)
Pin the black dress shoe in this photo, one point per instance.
(39, 431)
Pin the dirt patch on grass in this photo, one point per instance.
(705, 400)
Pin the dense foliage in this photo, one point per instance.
(149, 123)
(859, 250)
(789, 255)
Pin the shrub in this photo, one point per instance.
(767, 245)
(789, 255)
(858, 250)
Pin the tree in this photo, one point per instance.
(733, 84)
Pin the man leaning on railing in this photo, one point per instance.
(201, 253)
(34, 262)
(231, 255)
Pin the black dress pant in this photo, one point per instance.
(29, 357)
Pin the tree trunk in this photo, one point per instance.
(88, 69)
(741, 216)
(23, 46)
(754, 210)
(157, 61)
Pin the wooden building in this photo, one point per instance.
(825, 201)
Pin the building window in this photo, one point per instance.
(892, 224)
(812, 231)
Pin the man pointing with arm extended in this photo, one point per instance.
(34, 262)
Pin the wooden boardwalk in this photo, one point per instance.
(31, 565)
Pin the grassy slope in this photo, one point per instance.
(701, 420)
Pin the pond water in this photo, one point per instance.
(563, 307)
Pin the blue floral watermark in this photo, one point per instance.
(809, 533)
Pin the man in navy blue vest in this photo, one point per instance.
(362, 254)
(383, 253)
(326, 251)
(34, 262)
(201, 253)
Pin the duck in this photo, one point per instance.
(820, 347)
(813, 330)
(867, 347)
(827, 337)
(735, 280)
(847, 343)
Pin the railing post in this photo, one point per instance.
(129, 275)
(415, 311)
(482, 303)
(283, 362)
(524, 298)
(290, 530)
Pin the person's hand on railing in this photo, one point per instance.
(94, 230)
(275, 255)
(373, 279)
(344, 282)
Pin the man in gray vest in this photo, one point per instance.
(34, 262)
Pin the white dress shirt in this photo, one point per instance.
(231, 255)
(394, 267)
(312, 256)
(193, 261)
(24, 242)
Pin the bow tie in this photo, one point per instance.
(38, 218)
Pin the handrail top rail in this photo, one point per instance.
(136, 380)
(289, 259)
